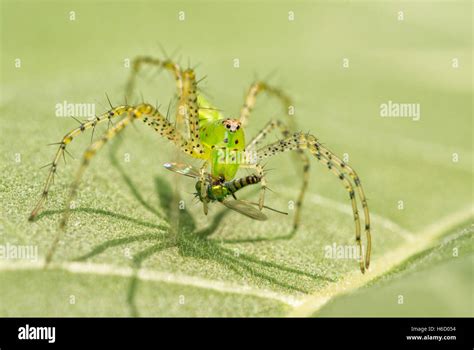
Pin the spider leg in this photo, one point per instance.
(204, 184)
(259, 173)
(190, 110)
(272, 125)
(66, 140)
(88, 155)
(251, 99)
(151, 117)
(338, 168)
(176, 72)
(355, 178)
(140, 61)
(263, 185)
(187, 114)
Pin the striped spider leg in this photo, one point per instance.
(252, 146)
(286, 130)
(345, 173)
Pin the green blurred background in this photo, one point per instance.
(398, 159)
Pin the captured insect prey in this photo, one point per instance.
(201, 131)
(219, 191)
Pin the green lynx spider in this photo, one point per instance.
(200, 131)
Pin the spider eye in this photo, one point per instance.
(227, 126)
(238, 127)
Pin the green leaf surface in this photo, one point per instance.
(119, 256)
(436, 282)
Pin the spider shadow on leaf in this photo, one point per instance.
(187, 238)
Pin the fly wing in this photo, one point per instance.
(272, 209)
(245, 209)
(183, 169)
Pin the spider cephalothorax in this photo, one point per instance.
(201, 132)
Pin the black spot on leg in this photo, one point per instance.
(341, 176)
(367, 227)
